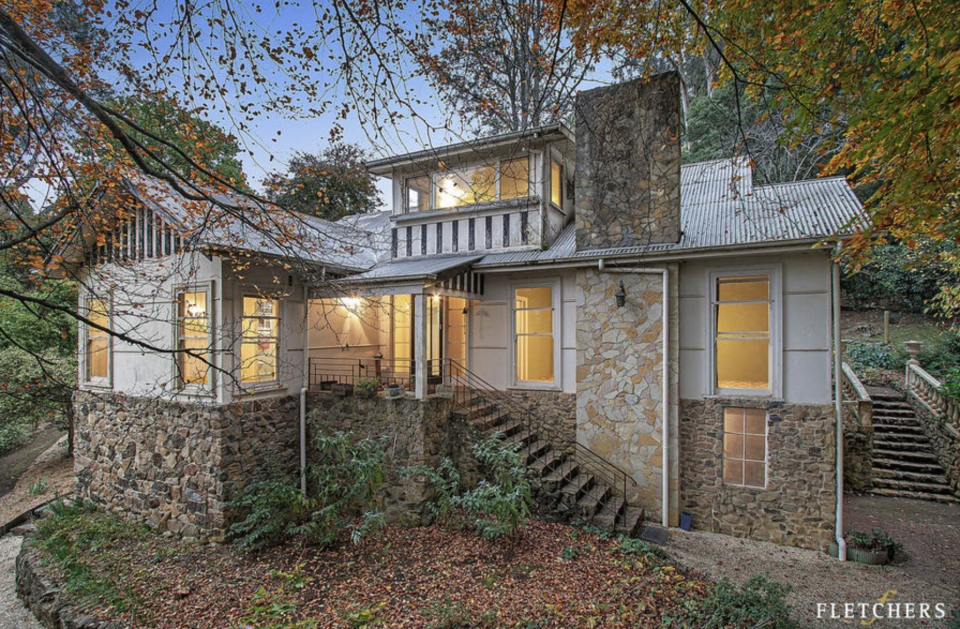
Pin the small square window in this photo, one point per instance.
(745, 447)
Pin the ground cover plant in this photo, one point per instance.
(549, 575)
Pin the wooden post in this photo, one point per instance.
(420, 345)
(886, 327)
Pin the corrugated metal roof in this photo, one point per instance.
(720, 208)
(414, 268)
(235, 222)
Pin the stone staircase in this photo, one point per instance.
(563, 488)
(904, 462)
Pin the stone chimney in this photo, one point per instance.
(628, 164)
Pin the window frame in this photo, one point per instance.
(280, 301)
(775, 356)
(86, 380)
(435, 176)
(743, 460)
(562, 181)
(555, 304)
(191, 389)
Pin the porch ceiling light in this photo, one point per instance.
(621, 296)
(352, 304)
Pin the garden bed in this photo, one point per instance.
(550, 575)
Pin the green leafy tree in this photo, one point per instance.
(330, 184)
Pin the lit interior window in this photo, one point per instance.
(556, 184)
(533, 308)
(418, 194)
(466, 187)
(514, 178)
(743, 332)
(745, 446)
(193, 336)
(260, 340)
(97, 341)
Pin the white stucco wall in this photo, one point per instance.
(805, 331)
(490, 328)
(143, 307)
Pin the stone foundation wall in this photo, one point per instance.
(177, 465)
(555, 415)
(415, 433)
(945, 443)
(857, 460)
(796, 507)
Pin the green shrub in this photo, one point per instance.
(875, 355)
(760, 602)
(500, 503)
(344, 483)
(32, 391)
(950, 383)
(368, 385)
(874, 540)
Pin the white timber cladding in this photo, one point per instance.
(800, 336)
(145, 310)
(491, 326)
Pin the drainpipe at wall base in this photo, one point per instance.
(665, 392)
(838, 407)
(303, 391)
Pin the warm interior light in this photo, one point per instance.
(195, 310)
(352, 304)
(436, 299)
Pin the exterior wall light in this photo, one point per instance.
(621, 296)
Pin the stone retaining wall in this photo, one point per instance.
(857, 460)
(414, 433)
(796, 507)
(555, 415)
(177, 465)
(945, 443)
(40, 593)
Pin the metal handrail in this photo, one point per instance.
(467, 384)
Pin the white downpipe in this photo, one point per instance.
(838, 408)
(665, 393)
(303, 393)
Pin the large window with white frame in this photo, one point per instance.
(502, 179)
(259, 340)
(194, 330)
(96, 342)
(745, 333)
(535, 335)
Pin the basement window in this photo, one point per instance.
(745, 447)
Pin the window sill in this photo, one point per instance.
(260, 390)
(96, 386)
(466, 210)
(533, 387)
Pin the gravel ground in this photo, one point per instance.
(13, 615)
(814, 577)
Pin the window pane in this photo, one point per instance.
(756, 421)
(733, 445)
(534, 297)
(514, 178)
(556, 183)
(752, 288)
(97, 358)
(733, 420)
(466, 187)
(257, 307)
(743, 318)
(402, 328)
(194, 368)
(535, 322)
(258, 362)
(193, 304)
(743, 364)
(535, 358)
(418, 194)
(754, 474)
(733, 472)
(755, 447)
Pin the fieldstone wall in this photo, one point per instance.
(555, 415)
(415, 433)
(796, 508)
(177, 465)
(619, 379)
(857, 460)
(628, 164)
(946, 443)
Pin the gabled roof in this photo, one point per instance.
(239, 223)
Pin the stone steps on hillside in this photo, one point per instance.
(898, 493)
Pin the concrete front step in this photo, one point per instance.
(630, 522)
(926, 487)
(608, 516)
(912, 429)
(904, 455)
(911, 466)
(591, 502)
(934, 475)
(902, 445)
(899, 493)
(545, 463)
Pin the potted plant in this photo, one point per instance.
(445, 391)
(874, 548)
(392, 391)
(367, 387)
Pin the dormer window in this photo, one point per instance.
(504, 179)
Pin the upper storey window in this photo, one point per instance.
(501, 180)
